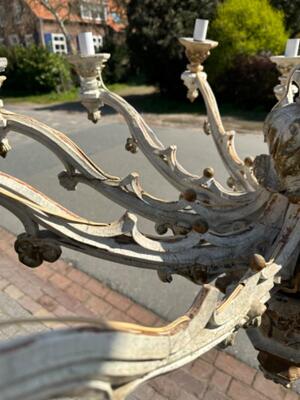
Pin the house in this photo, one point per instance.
(26, 22)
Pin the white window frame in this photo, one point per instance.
(92, 11)
(98, 41)
(85, 11)
(58, 39)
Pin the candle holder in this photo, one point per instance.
(285, 65)
(197, 52)
(89, 70)
(239, 244)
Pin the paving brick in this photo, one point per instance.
(96, 288)
(145, 392)
(78, 276)
(186, 396)
(98, 306)
(3, 283)
(270, 389)
(167, 387)
(201, 369)
(210, 356)
(32, 290)
(78, 292)
(117, 315)
(48, 303)
(43, 313)
(43, 272)
(29, 304)
(215, 395)
(118, 300)
(13, 292)
(61, 312)
(142, 315)
(61, 297)
(60, 281)
(220, 380)
(189, 383)
(234, 367)
(291, 396)
(240, 391)
(83, 311)
(61, 267)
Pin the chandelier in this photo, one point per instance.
(239, 244)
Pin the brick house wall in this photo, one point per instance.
(23, 24)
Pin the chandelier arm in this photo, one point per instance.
(164, 159)
(120, 241)
(114, 188)
(189, 213)
(223, 140)
(137, 354)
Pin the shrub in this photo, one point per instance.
(247, 28)
(291, 11)
(249, 82)
(153, 32)
(34, 70)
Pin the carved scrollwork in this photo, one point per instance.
(33, 251)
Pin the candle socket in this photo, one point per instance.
(89, 69)
(197, 52)
(284, 65)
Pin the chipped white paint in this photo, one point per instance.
(233, 242)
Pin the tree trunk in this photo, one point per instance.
(61, 24)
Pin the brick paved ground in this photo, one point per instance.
(61, 290)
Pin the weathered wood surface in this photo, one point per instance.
(242, 240)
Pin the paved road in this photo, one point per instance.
(104, 142)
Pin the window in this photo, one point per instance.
(85, 11)
(59, 43)
(2, 41)
(92, 11)
(29, 40)
(13, 40)
(98, 43)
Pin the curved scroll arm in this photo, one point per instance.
(123, 242)
(195, 79)
(114, 358)
(224, 141)
(161, 157)
(128, 192)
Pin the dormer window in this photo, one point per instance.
(92, 11)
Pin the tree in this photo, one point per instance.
(291, 10)
(153, 32)
(247, 28)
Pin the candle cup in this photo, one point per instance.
(200, 30)
(284, 65)
(197, 52)
(89, 69)
(86, 44)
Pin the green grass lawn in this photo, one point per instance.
(144, 98)
(123, 89)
